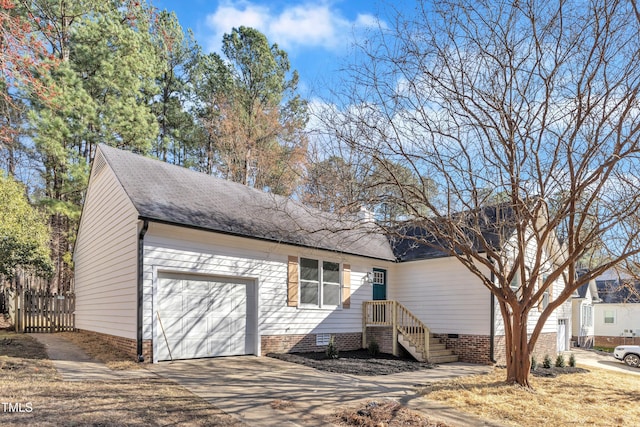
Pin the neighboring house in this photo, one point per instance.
(617, 314)
(175, 264)
(583, 314)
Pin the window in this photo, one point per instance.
(545, 300)
(587, 316)
(515, 284)
(378, 276)
(609, 316)
(319, 283)
(543, 303)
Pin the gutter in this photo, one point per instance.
(143, 231)
(263, 239)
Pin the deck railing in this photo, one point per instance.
(396, 315)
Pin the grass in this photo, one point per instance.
(605, 349)
(597, 398)
(26, 376)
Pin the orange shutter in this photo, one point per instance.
(346, 286)
(292, 282)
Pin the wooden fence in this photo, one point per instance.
(42, 311)
(5, 295)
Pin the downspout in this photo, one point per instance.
(492, 327)
(492, 316)
(143, 231)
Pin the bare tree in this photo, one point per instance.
(529, 104)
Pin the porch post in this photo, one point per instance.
(427, 338)
(394, 326)
(364, 324)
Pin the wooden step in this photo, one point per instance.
(437, 347)
(443, 359)
(438, 353)
(406, 344)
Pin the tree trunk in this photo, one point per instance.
(518, 355)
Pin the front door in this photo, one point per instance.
(379, 284)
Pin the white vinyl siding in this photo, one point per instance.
(181, 250)
(443, 294)
(105, 259)
(626, 319)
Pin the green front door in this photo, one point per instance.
(379, 284)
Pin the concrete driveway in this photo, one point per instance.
(248, 387)
(600, 359)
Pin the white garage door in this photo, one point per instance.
(200, 316)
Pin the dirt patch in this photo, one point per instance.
(5, 322)
(388, 413)
(20, 345)
(102, 351)
(358, 362)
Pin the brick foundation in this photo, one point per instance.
(547, 344)
(383, 335)
(307, 343)
(604, 341)
(126, 345)
(476, 348)
(469, 348)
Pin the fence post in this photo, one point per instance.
(19, 307)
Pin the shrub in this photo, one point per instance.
(332, 349)
(572, 361)
(374, 348)
(560, 363)
(534, 363)
(546, 363)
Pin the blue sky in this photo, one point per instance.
(317, 35)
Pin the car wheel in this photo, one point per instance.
(632, 360)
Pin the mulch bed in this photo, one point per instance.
(555, 371)
(358, 362)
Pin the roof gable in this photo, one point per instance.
(175, 195)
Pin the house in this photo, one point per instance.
(175, 264)
(582, 303)
(617, 313)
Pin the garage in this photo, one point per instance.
(204, 316)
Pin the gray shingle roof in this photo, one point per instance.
(496, 224)
(172, 194)
(582, 290)
(616, 292)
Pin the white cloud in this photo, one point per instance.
(305, 25)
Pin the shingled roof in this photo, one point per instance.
(614, 292)
(172, 194)
(496, 224)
